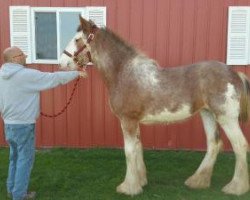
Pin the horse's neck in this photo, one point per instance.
(110, 59)
(106, 69)
(109, 76)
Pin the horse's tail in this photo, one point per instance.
(245, 98)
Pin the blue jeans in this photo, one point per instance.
(21, 139)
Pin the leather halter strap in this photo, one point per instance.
(75, 53)
(67, 53)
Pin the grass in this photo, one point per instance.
(93, 174)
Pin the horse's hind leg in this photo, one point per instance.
(202, 177)
(240, 182)
(136, 171)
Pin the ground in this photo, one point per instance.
(93, 174)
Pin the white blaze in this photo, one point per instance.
(66, 61)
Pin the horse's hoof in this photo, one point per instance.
(236, 188)
(129, 189)
(197, 182)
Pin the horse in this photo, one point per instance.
(142, 92)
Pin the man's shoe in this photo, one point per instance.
(30, 195)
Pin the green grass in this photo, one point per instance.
(93, 174)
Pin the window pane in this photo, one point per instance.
(46, 38)
(69, 21)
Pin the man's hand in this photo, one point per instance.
(83, 74)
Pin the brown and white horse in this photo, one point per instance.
(140, 91)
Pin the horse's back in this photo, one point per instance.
(172, 94)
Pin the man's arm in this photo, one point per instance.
(39, 81)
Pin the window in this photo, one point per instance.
(43, 33)
(45, 36)
(238, 46)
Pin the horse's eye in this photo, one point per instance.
(76, 40)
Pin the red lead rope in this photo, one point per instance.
(67, 104)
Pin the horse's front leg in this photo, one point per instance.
(136, 171)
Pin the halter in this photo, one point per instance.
(90, 38)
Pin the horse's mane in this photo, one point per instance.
(116, 43)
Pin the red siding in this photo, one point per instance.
(173, 32)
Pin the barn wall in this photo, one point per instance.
(173, 32)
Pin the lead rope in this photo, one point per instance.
(67, 104)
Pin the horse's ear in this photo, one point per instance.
(86, 26)
(92, 23)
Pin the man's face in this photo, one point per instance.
(19, 57)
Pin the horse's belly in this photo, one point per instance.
(166, 116)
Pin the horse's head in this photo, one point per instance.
(77, 52)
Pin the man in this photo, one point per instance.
(19, 107)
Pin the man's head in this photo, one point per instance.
(14, 55)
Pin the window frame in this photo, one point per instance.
(57, 11)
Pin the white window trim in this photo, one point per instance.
(85, 12)
(27, 34)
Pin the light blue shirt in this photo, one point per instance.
(20, 91)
